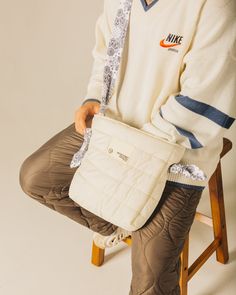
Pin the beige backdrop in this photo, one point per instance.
(45, 63)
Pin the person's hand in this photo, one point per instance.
(83, 113)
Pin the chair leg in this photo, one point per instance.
(97, 255)
(183, 282)
(218, 214)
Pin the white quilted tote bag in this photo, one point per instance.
(122, 170)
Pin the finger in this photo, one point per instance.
(81, 121)
(96, 108)
(77, 126)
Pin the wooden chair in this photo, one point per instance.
(217, 221)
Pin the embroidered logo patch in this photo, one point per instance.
(171, 41)
(120, 150)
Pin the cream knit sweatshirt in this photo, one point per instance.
(177, 77)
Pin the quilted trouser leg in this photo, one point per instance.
(156, 247)
(45, 176)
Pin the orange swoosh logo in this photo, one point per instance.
(167, 45)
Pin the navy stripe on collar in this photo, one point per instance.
(148, 6)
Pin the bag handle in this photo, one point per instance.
(111, 67)
(114, 52)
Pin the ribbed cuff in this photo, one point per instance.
(90, 99)
(181, 179)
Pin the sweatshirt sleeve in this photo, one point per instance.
(205, 107)
(102, 34)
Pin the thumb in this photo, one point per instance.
(96, 108)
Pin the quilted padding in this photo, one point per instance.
(123, 173)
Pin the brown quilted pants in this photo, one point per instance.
(45, 176)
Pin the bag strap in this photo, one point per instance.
(114, 52)
(111, 67)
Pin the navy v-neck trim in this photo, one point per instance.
(148, 6)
